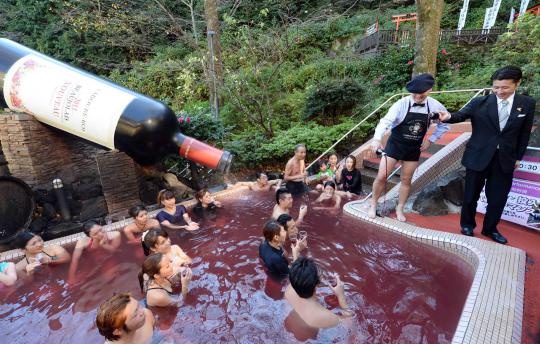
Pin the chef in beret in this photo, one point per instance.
(408, 119)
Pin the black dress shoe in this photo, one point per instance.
(496, 236)
(468, 231)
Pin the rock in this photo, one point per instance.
(49, 212)
(172, 183)
(430, 202)
(93, 208)
(410, 334)
(148, 190)
(86, 191)
(453, 191)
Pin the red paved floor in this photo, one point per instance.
(518, 236)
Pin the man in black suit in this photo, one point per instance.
(501, 126)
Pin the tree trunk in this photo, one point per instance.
(428, 24)
(215, 69)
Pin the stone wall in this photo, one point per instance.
(95, 180)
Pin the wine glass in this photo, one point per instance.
(302, 235)
(294, 239)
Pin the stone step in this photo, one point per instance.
(369, 175)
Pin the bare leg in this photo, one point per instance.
(385, 168)
(407, 170)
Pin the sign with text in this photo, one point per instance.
(523, 7)
(512, 15)
(371, 29)
(463, 15)
(522, 206)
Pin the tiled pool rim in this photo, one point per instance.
(494, 265)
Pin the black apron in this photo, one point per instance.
(407, 137)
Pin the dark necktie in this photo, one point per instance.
(417, 104)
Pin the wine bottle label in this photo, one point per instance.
(65, 98)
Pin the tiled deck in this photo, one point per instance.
(493, 312)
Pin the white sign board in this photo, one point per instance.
(523, 7)
(512, 14)
(487, 18)
(372, 29)
(463, 15)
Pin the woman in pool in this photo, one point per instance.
(350, 177)
(157, 240)
(328, 196)
(332, 163)
(155, 281)
(36, 256)
(95, 239)
(8, 275)
(141, 224)
(206, 205)
(173, 216)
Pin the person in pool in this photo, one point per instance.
(155, 281)
(8, 274)
(121, 319)
(272, 253)
(284, 202)
(141, 224)
(301, 295)
(36, 255)
(350, 178)
(333, 163)
(262, 183)
(173, 216)
(206, 205)
(288, 223)
(95, 239)
(157, 240)
(328, 196)
(295, 172)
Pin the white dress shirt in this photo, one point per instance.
(399, 110)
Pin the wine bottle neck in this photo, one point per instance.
(201, 153)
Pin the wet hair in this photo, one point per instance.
(298, 146)
(271, 229)
(281, 194)
(87, 227)
(151, 238)
(164, 195)
(109, 316)
(259, 174)
(330, 183)
(283, 219)
(353, 159)
(134, 211)
(304, 277)
(200, 194)
(508, 73)
(150, 267)
(23, 238)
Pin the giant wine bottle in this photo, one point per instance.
(96, 109)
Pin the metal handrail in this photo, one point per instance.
(533, 148)
(478, 91)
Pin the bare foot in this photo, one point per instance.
(372, 212)
(399, 214)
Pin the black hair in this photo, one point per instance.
(304, 277)
(151, 238)
(164, 195)
(23, 238)
(281, 194)
(330, 183)
(353, 158)
(271, 229)
(333, 153)
(87, 227)
(134, 211)
(508, 73)
(283, 219)
(259, 174)
(150, 267)
(298, 146)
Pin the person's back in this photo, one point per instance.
(300, 294)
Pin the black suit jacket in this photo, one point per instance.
(486, 135)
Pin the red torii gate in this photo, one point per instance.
(533, 10)
(403, 18)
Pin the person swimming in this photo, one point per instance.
(284, 202)
(174, 216)
(36, 255)
(328, 196)
(155, 281)
(262, 183)
(141, 224)
(157, 240)
(206, 205)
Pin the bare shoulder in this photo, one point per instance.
(153, 223)
(113, 234)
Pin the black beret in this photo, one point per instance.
(421, 83)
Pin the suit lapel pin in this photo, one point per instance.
(519, 109)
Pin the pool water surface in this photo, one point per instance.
(400, 289)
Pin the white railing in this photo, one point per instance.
(477, 90)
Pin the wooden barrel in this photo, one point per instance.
(16, 207)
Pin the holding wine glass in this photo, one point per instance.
(302, 235)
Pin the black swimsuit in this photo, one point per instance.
(52, 257)
(155, 288)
